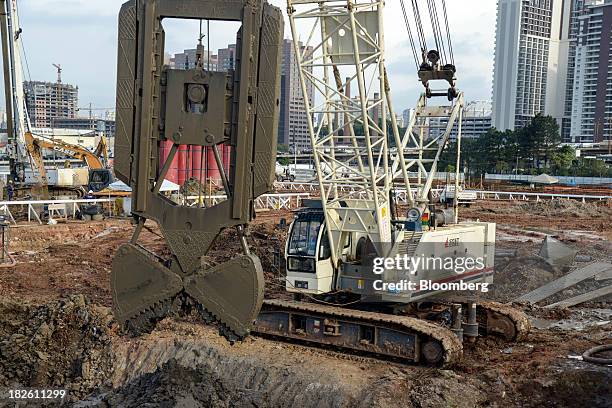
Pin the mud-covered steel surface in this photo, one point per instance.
(425, 331)
(139, 281)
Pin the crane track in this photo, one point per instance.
(401, 337)
(519, 319)
(521, 325)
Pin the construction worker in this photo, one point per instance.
(10, 191)
(89, 195)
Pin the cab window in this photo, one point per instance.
(304, 238)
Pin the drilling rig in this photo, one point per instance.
(335, 244)
(194, 108)
(17, 120)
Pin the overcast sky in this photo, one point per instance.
(81, 36)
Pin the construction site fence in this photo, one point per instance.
(32, 211)
(402, 195)
(566, 180)
(56, 209)
(287, 201)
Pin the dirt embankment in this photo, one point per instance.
(556, 216)
(65, 344)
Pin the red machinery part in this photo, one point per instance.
(190, 163)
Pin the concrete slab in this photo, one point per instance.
(556, 253)
(576, 300)
(565, 282)
(604, 275)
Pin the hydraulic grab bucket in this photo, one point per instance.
(195, 108)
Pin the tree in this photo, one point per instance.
(584, 167)
(539, 139)
(562, 159)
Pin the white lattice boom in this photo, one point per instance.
(428, 131)
(345, 50)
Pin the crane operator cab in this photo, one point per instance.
(308, 253)
(309, 265)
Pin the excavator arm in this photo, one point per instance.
(34, 150)
(35, 146)
(194, 108)
(102, 150)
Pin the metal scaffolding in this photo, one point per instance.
(345, 50)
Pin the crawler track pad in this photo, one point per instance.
(139, 282)
(232, 292)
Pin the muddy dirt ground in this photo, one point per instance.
(56, 330)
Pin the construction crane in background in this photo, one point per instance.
(336, 243)
(26, 150)
(59, 72)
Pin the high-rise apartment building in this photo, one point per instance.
(188, 58)
(476, 121)
(293, 124)
(227, 58)
(531, 61)
(591, 107)
(224, 60)
(577, 8)
(47, 101)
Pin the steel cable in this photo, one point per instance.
(419, 25)
(435, 25)
(410, 36)
(450, 43)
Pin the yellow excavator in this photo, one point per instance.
(99, 175)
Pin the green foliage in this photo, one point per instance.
(533, 149)
(562, 160)
(591, 168)
(283, 161)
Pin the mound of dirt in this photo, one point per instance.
(561, 208)
(189, 372)
(267, 241)
(64, 344)
(520, 275)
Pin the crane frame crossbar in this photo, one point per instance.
(430, 129)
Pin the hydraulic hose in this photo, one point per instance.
(588, 355)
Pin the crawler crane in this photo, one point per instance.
(335, 243)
